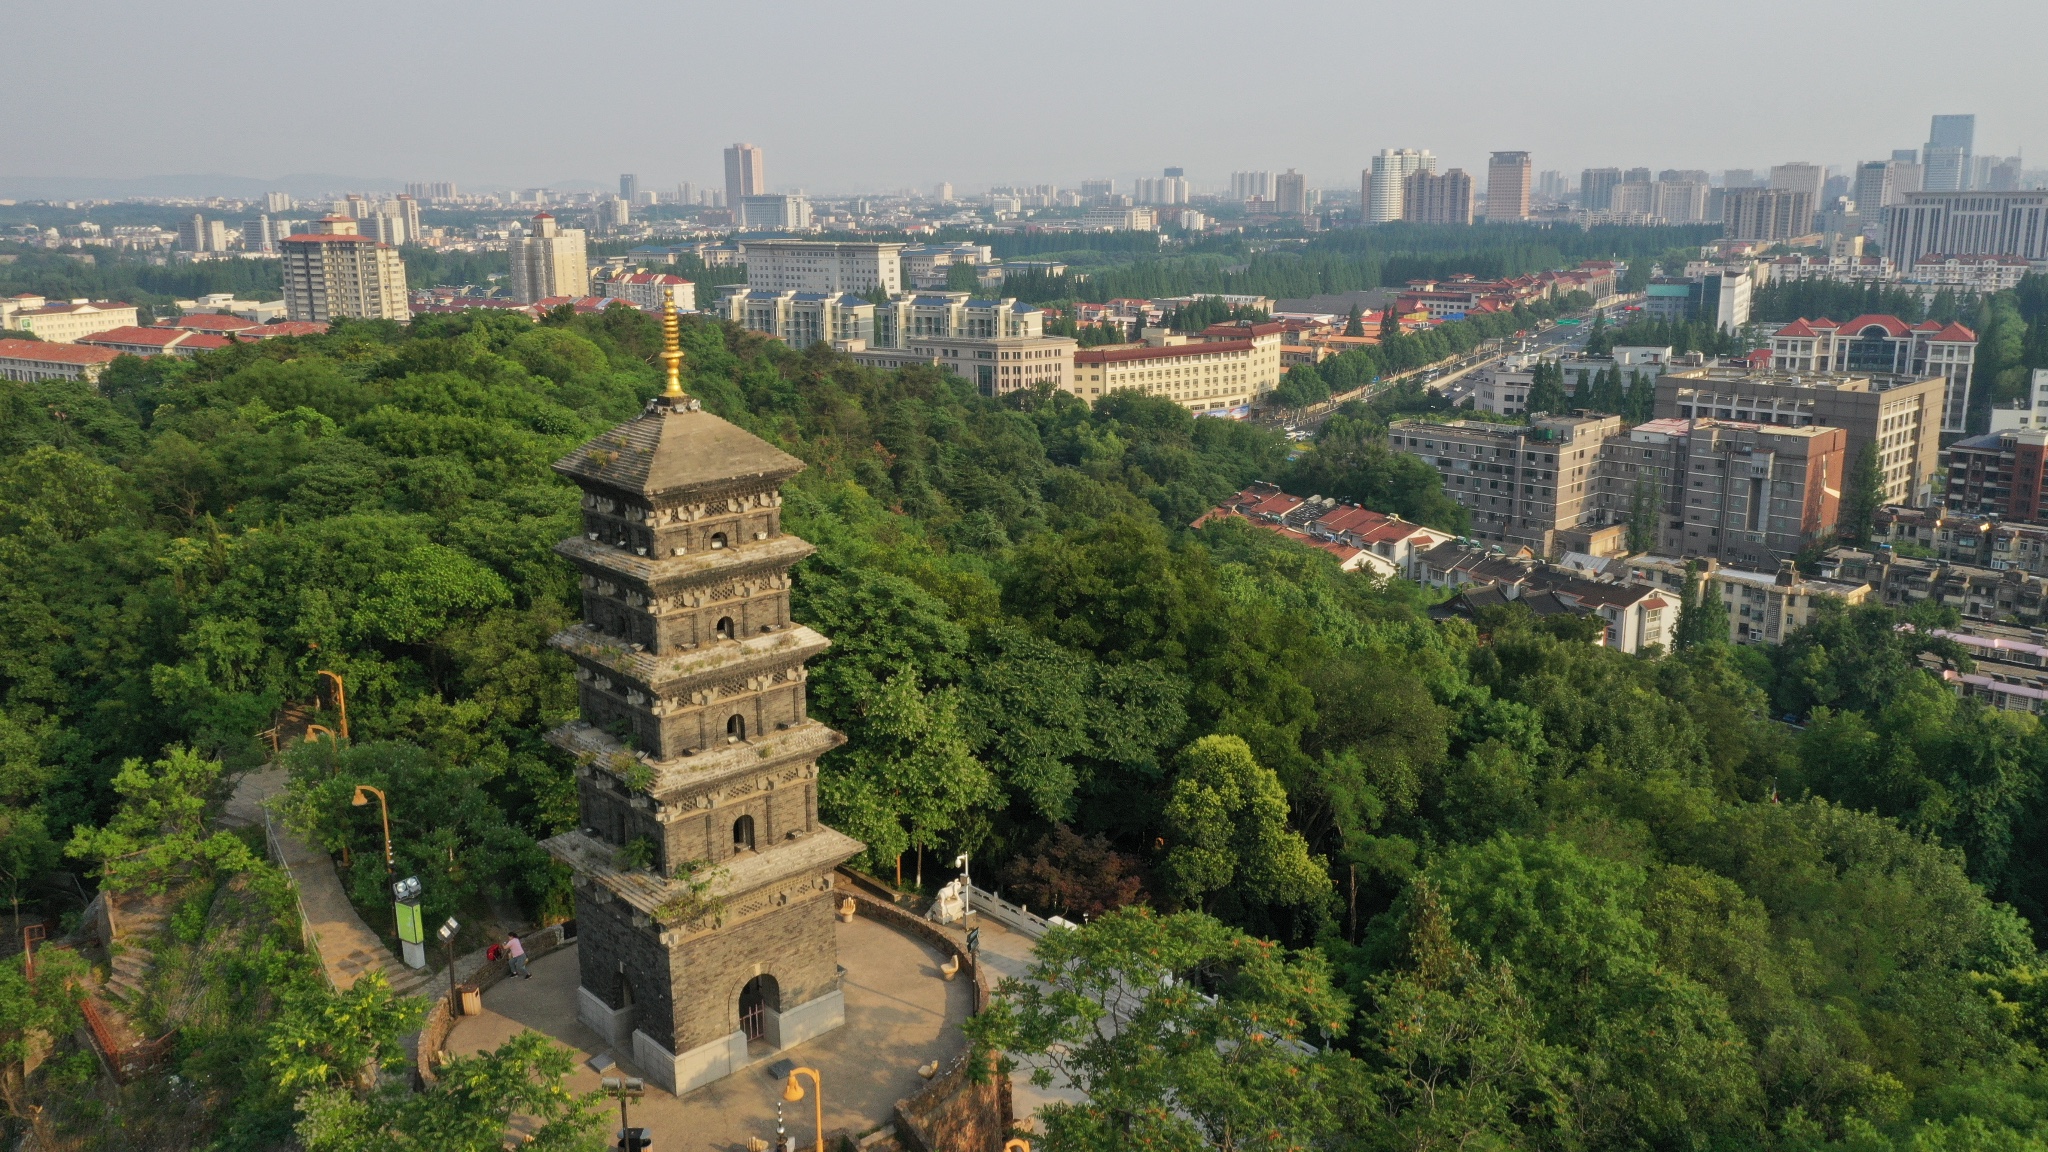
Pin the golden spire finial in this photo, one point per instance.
(671, 345)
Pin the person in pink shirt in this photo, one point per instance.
(517, 951)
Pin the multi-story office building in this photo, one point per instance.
(1525, 486)
(1999, 474)
(335, 273)
(1765, 214)
(1732, 178)
(1899, 417)
(1507, 186)
(774, 212)
(1226, 368)
(743, 174)
(1431, 199)
(1946, 157)
(1887, 345)
(1386, 181)
(202, 235)
(64, 321)
(1968, 224)
(1719, 296)
(1739, 492)
(824, 266)
(1596, 188)
(629, 187)
(547, 261)
(1290, 193)
(1801, 177)
(275, 202)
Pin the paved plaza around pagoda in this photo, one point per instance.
(899, 1014)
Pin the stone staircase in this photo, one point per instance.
(138, 919)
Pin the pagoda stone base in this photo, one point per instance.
(803, 1022)
(727, 1054)
(614, 1024)
(693, 1069)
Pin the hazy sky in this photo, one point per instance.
(880, 94)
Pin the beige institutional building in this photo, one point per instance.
(1227, 366)
(65, 321)
(336, 274)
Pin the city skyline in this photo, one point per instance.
(1487, 96)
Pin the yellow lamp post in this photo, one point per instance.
(795, 1092)
(340, 698)
(362, 799)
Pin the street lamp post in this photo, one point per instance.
(795, 1092)
(340, 698)
(628, 1088)
(361, 800)
(447, 935)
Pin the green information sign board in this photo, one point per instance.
(410, 929)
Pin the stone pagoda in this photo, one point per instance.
(703, 878)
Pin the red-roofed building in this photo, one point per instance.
(283, 328)
(1885, 345)
(1224, 372)
(1359, 537)
(209, 322)
(157, 341)
(33, 360)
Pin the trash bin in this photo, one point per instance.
(472, 1000)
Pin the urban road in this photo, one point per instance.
(1453, 377)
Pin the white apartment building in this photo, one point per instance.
(1228, 367)
(1164, 190)
(646, 290)
(1380, 186)
(775, 212)
(2029, 412)
(954, 315)
(63, 322)
(1121, 218)
(548, 261)
(994, 366)
(335, 274)
(800, 319)
(1970, 273)
(823, 266)
(998, 345)
(926, 264)
(1251, 185)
